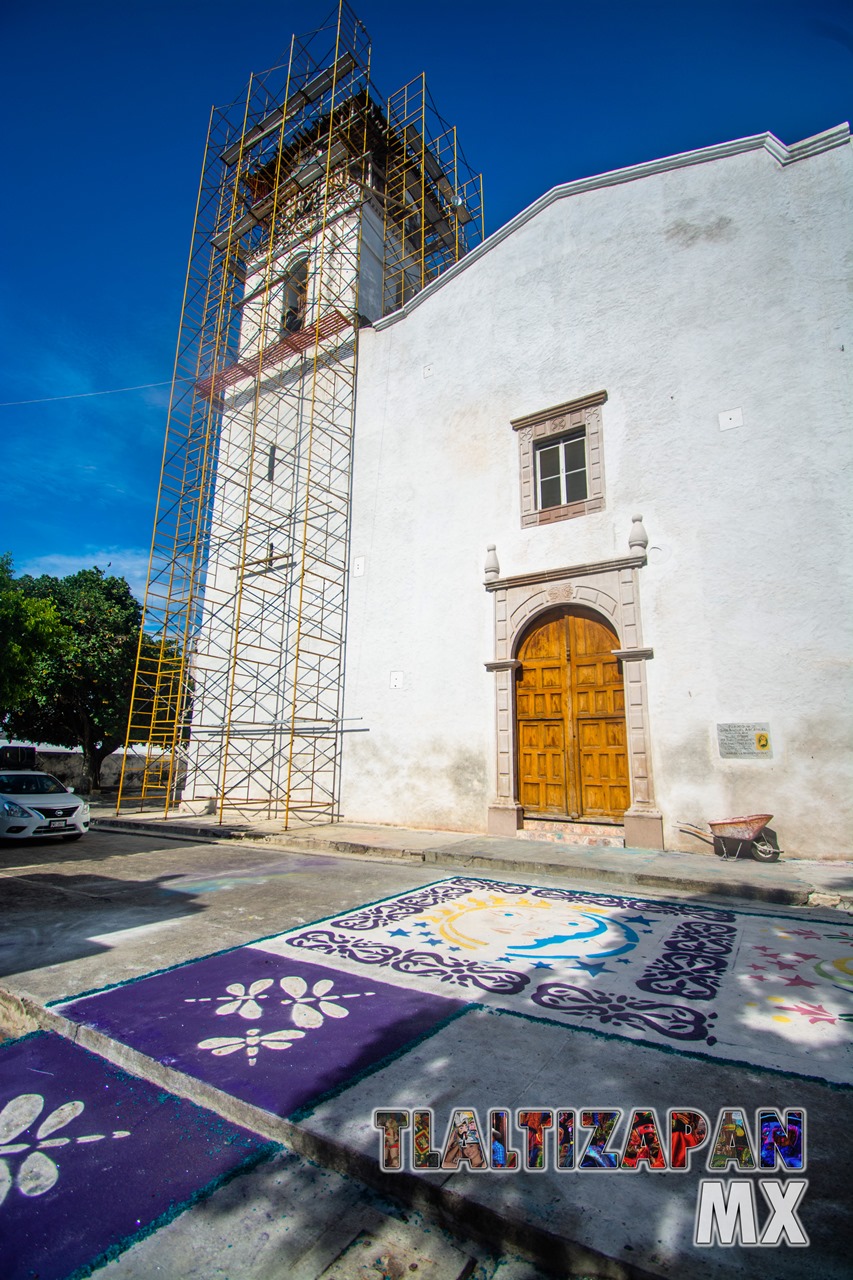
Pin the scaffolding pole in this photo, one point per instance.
(319, 207)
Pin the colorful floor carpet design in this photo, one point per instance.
(286, 1021)
(740, 986)
(278, 1032)
(73, 1129)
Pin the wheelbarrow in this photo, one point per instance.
(736, 836)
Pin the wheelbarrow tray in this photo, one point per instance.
(746, 828)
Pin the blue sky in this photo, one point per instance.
(105, 108)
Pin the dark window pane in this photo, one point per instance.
(575, 454)
(549, 461)
(576, 486)
(549, 492)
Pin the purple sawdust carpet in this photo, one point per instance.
(277, 1032)
(74, 1131)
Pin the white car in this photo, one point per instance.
(37, 804)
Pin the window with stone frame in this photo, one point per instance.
(561, 462)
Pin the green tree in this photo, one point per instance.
(82, 683)
(29, 629)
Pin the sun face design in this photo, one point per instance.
(532, 929)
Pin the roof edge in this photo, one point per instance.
(781, 153)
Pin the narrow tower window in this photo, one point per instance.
(293, 298)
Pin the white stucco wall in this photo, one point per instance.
(687, 291)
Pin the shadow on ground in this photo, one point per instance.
(50, 918)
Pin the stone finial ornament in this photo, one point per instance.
(493, 569)
(638, 539)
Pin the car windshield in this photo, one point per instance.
(30, 784)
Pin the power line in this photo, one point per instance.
(83, 395)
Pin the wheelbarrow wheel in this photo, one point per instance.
(763, 851)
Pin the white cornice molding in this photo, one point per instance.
(782, 154)
(544, 576)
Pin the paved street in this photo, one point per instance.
(233, 1096)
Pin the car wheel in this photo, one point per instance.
(78, 835)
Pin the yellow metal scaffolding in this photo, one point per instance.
(433, 202)
(319, 209)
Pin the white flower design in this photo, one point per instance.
(304, 1013)
(252, 1042)
(37, 1173)
(238, 1000)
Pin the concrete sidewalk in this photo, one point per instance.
(200, 915)
(789, 882)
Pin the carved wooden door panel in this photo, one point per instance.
(598, 708)
(570, 708)
(542, 695)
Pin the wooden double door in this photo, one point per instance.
(570, 715)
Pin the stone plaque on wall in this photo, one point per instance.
(744, 741)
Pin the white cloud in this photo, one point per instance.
(121, 562)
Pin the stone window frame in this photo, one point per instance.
(550, 424)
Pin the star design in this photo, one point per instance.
(780, 964)
(814, 1012)
(759, 967)
(804, 955)
(758, 977)
(399, 933)
(592, 969)
(623, 960)
(805, 933)
(798, 982)
(540, 964)
(637, 920)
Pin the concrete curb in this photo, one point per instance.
(448, 857)
(174, 830)
(687, 880)
(426, 1193)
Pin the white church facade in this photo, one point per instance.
(540, 534)
(600, 559)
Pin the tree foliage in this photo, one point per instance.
(29, 628)
(81, 684)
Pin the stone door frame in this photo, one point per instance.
(610, 588)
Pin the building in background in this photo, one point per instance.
(541, 533)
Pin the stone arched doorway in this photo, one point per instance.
(571, 738)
